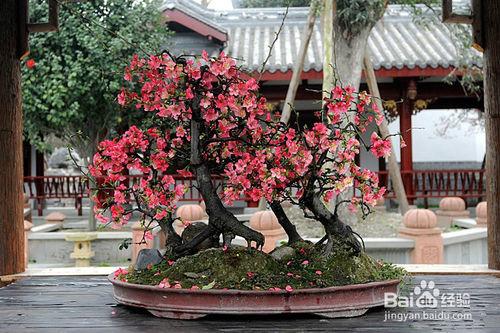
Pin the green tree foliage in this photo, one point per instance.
(79, 70)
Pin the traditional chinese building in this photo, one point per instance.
(411, 60)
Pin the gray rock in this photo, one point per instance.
(282, 252)
(194, 229)
(60, 159)
(147, 257)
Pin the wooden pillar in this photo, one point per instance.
(26, 159)
(491, 34)
(11, 143)
(405, 113)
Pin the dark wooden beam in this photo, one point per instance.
(477, 25)
(433, 91)
(52, 24)
(455, 103)
(381, 72)
(22, 32)
(491, 23)
(450, 17)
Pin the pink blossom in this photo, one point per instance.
(30, 63)
(160, 215)
(185, 173)
(402, 143)
(258, 156)
(164, 283)
(380, 147)
(119, 272)
(148, 236)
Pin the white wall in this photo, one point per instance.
(463, 143)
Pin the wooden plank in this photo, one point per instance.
(85, 304)
(447, 269)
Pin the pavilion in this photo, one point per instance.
(411, 60)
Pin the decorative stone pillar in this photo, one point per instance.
(449, 209)
(137, 235)
(481, 210)
(420, 225)
(266, 223)
(188, 213)
(27, 227)
(82, 251)
(55, 217)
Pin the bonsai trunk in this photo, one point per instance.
(335, 229)
(220, 220)
(291, 231)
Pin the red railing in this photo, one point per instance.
(464, 183)
(56, 187)
(76, 187)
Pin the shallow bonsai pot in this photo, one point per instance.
(332, 302)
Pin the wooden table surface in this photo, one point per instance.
(86, 304)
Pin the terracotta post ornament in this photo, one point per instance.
(449, 209)
(266, 223)
(420, 225)
(481, 211)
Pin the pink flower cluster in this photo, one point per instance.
(285, 158)
(241, 138)
(146, 152)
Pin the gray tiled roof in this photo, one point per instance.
(194, 10)
(397, 41)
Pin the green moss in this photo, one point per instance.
(239, 268)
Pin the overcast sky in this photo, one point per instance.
(219, 4)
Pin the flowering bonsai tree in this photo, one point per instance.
(204, 118)
(310, 168)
